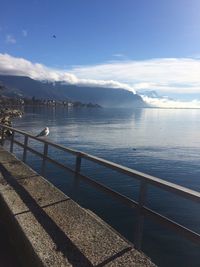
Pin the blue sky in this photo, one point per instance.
(95, 31)
(145, 44)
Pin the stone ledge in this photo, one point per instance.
(50, 229)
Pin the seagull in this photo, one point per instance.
(44, 132)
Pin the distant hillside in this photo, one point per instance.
(107, 97)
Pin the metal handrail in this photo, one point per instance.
(145, 180)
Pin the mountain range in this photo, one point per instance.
(21, 86)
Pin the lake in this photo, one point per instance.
(161, 142)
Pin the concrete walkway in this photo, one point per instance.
(50, 229)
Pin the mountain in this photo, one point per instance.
(20, 86)
(151, 93)
(154, 94)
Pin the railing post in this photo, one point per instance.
(76, 176)
(140, 216)
(2, 135)
(12, 141)
(45, 152)
(78, 163)
(25, 147)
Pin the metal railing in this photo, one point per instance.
(143, 178)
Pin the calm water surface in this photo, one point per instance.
(161, 142)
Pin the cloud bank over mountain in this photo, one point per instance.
(10, 65)
(167, 76)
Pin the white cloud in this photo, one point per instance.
(10, 39)
(22, 67)
(24, 33)
(118, 55)
(163, 75)
(180, 75)
(170, 103)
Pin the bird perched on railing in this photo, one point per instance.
(44, 132)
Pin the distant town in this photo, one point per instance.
(12, 101)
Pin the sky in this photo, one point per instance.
(137, 44)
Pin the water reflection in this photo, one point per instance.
(161, 142)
